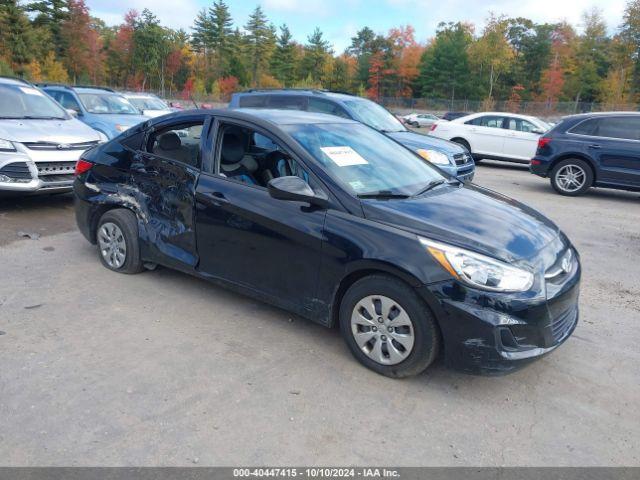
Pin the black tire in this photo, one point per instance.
(127, 222)
(578, 165)
(425, 330)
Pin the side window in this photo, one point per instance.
(68, 101)
(323, 106)
(491, 122)
(178, 142)
(519, 125)
(620, 127)
(247, 156)
(588, 127)
(287, 102)
(253, 101)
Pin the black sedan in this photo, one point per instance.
(338, 223)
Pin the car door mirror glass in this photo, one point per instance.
(296, 189)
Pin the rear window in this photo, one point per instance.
(287, 102)
(587, 127)
(253, 101)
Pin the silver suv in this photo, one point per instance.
(40, 141)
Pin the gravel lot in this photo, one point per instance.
(164, 369)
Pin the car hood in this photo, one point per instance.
(415, 141)
(471, 217)
(156, 113)
(62, 131)
(122, 119)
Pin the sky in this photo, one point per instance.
(339, 20)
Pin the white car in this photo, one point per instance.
(421, 119)
(494, 135)
(149, 104)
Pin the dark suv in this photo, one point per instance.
(591, 150)
(447, 156)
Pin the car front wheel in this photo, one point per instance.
(387, 327)
(117, 238)
(571, 177)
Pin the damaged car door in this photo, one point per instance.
(165, 172)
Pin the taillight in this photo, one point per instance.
(82, 166)
(433, 127)
(543, 142)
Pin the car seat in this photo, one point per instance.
(235, 163)
(170, 146)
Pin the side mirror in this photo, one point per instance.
(537, 131)
(72, 112)
(296, 189)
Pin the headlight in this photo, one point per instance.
(122, 128)
(102, 137)
(6, 146)
(478, 270)
(433, 156)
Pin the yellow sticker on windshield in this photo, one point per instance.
(344, 156)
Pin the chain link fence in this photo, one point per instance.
(540, 109)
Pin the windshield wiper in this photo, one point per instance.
(429, 186)
(382, 194)
(33, 117)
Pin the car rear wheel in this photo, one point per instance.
(387, 327)
(117, 237)
(571, 177)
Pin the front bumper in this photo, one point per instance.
(495, 334)
(20, 174)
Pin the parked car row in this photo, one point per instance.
(580, 152)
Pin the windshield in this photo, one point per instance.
(107, 103)
(24, 101)
(148, 103)
(364, 161)
(372, 114)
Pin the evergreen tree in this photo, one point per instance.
(444, 67)
(316, 53)
(260, 41)
(283, 62)
(17, 39)
(52, 14)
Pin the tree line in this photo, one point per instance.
(513, 59)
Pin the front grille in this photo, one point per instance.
(59, 146)
(57, 178)
(55, 168)
(17, 170)
(462, 158)
(561, 325)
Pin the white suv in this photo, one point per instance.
(494, 135)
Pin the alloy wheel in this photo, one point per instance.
(571, 178)
(113, 247)
(382, 329)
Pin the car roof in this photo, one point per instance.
(290, 117)
(13, 81)
(600, 114)
(301, 92)
(273, 116)
(138, 95)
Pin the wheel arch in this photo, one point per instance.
(363, 270)
(461, 139)
(577, 156)
(97, 213)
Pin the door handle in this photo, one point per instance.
(217, 199)
(594, 146)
